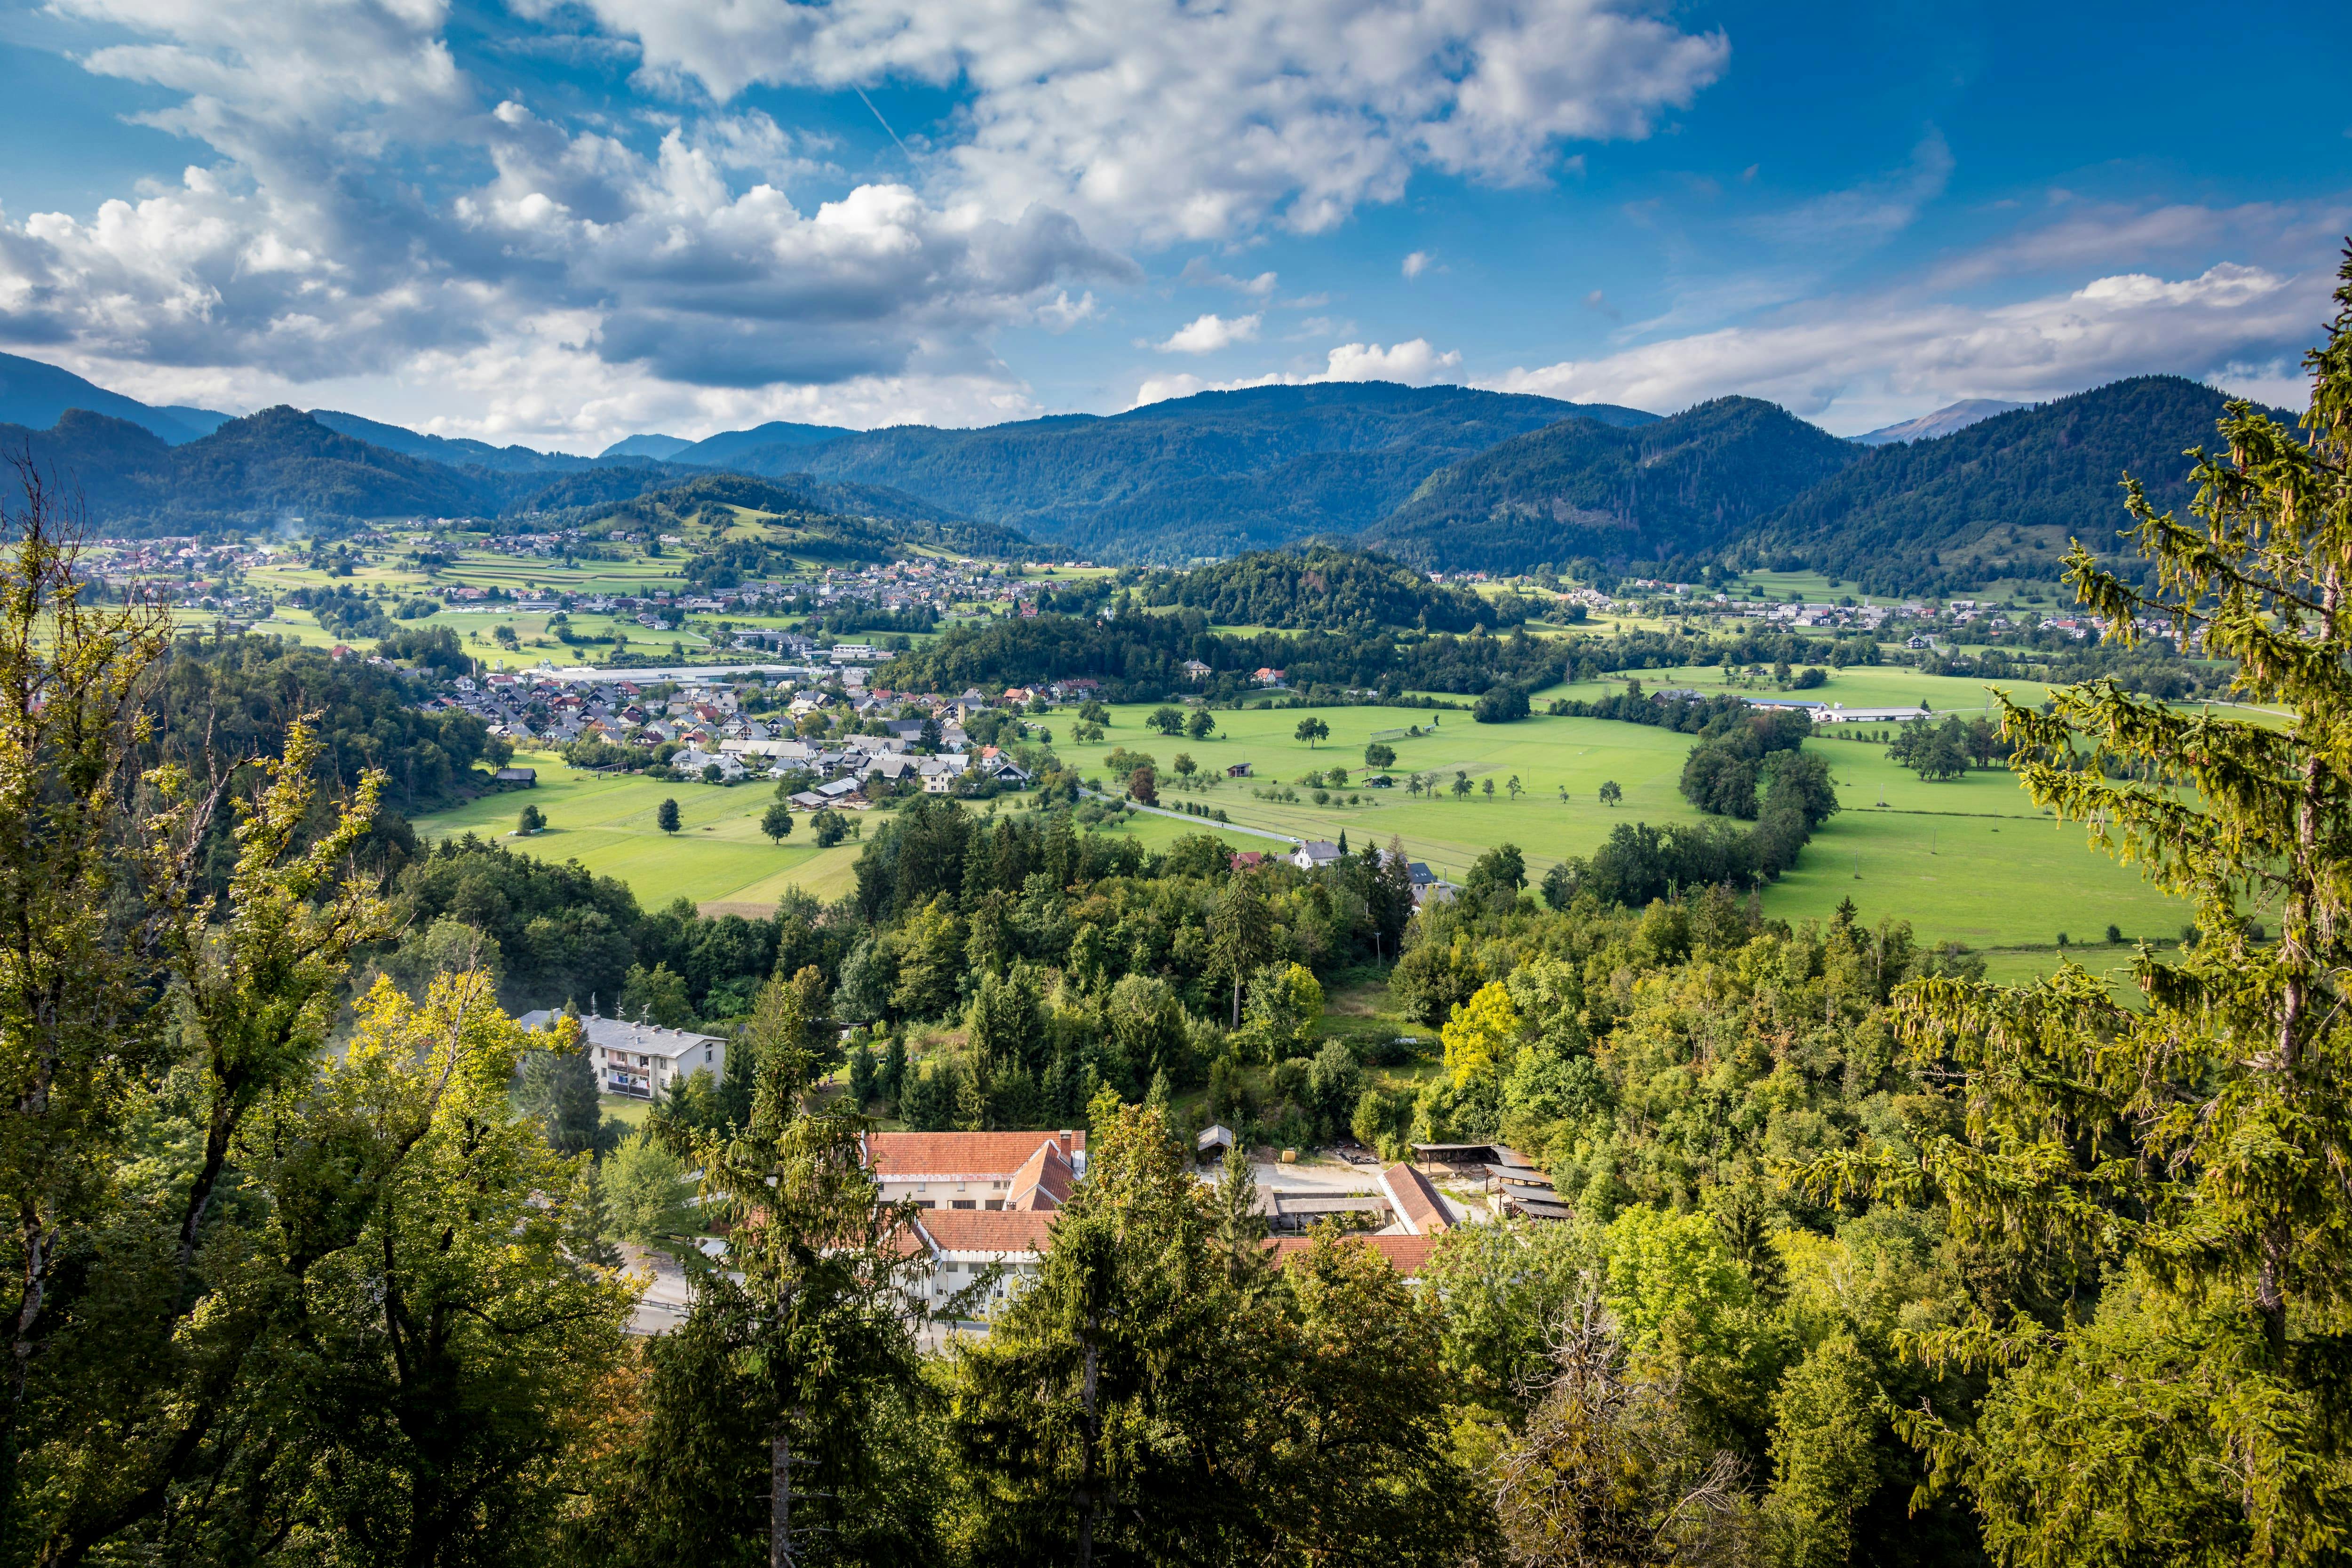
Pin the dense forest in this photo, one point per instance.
(249, 472)
(1686, 486)
(1203, 476)
(2000, 498)
(1325, 589)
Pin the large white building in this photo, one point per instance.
(643, 1060)
(977, 1171)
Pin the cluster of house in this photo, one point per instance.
(1319, 854)
(985, 1203)
(183, 570)
(709, 727)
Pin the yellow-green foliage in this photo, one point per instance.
(1482, 1035)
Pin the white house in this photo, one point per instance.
(1315, 854)
(643, 1060)
(961, 1247)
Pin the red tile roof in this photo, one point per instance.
(1406, 1253)
(1045, 1182)
(897, 1156)
(1417, 1203)
(984, 1230)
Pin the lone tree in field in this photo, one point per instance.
(2176, 1169)
(777, 823)
(665, 816)
(1311, 730)
(531, 821)
(1610, 793)
(1380, 754)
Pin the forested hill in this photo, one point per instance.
(1201, 476)
(251, 472)
(2003, 495)
(35, 395)
(453, 453)
(1679, 488)
(282, 463)
(866, 521)
(1326, 589)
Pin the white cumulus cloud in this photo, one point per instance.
(1208, 333)
(341, 230)
(1859, 360)
(1412, 361)
(1162, 120)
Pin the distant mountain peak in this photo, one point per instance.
(36, 395)
(1943, 422)
(660, 449)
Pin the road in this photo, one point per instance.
(1198, 821)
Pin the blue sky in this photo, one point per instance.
(560, 222)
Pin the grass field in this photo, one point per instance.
(1968, 861)
(606, 822)
(1861, 686)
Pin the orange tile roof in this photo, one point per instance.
(986, 1230)
(899, 1155)
(1045, 1182)
(1406, 1253)
(1416, 1200)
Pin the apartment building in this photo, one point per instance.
(643, 1060)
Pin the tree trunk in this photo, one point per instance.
(780, 1497)
(1091, 1429)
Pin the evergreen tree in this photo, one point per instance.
(2176, 1164)
(1237, 1224)
(812, 1308)
(1241, 936)
(558, 1089)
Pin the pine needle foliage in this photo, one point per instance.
(2179, 1167)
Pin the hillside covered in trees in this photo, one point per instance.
(2000, 498)
(1680, 489)
(1201, 476)
(1326, 589)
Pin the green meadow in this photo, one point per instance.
(1969, 860)
(606, 821)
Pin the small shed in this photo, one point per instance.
(1238, 771)
(526, 778)
(1214, 1140)
(1454, 1154)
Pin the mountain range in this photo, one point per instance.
(1670, 490)
(1441, 478)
